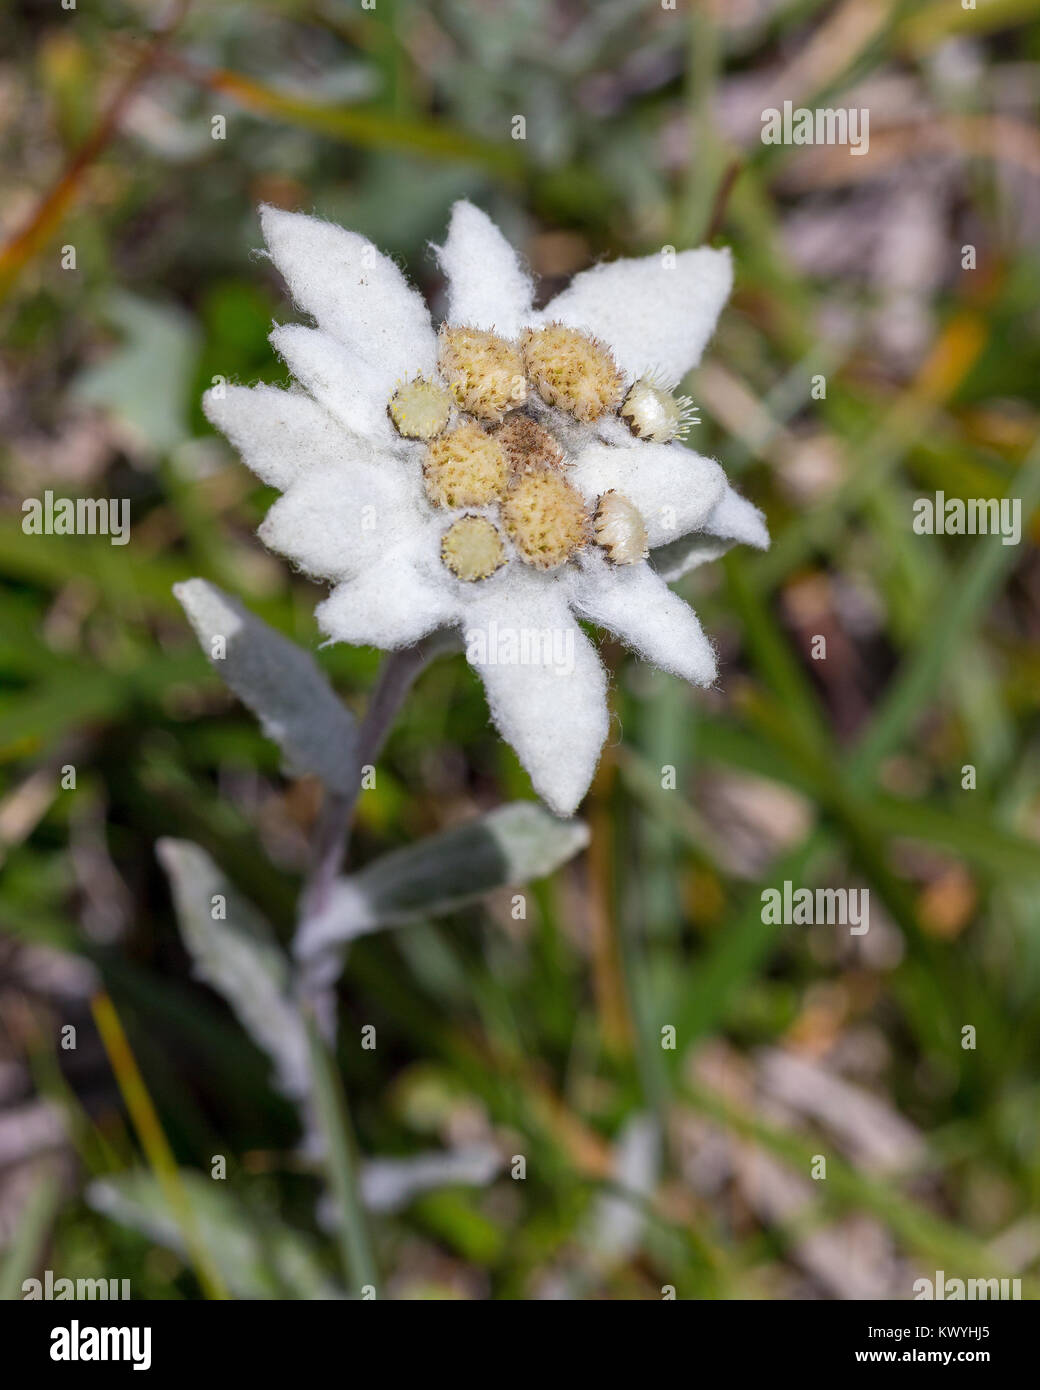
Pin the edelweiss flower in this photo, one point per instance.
(516, 471)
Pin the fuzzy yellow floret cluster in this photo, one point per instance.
(503, 456)
(620, 529)
(472, 548)
(528, 445)
(465, 468)
(651, 411)
(572, 371)
(546, 518)
(419, 408)
(484, 372)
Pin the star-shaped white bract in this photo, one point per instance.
(355, 510)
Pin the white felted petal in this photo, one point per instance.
(487, 286)
(673, 488)
(279, 434)
(550, 702)
(390, 604)
(349, 388)
(340, 517)
(357, 294)
(656, 313)
(637, 606)
(733, 520)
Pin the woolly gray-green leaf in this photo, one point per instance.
(511, 845)
(389, 1184)
(160, 345)
(236, 953)
(280, 682)
(258, 1256)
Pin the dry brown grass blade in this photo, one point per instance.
(55, 203)
(1001, 139)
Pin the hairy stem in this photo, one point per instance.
(327, 1131)
(317, 977)
(331, 1117)
(396, 677)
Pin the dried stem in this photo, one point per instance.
(53, 206)
(722, 196)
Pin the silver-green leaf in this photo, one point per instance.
(280, 682)
(257, 1255)
(234, 950)
(160, 342)
(511, 845)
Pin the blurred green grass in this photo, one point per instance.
(836, 772)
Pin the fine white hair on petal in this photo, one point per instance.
(656, 313)
(487, 286)
(342, 516)
(279, 434)
(611, 429)
(732, 521)
(391, 604)
(672, 488)
(545, 684)
(357, 294)
(733, 518)
(637, 606)
(353, 390)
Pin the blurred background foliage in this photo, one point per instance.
(645, 1167)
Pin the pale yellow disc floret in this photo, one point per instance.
(620, 529)
(484, 372)
(419, 408)
(527, 444)
(546, 518)
(652, 412)
(472, 548)
(465, 468)
(572, 371)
